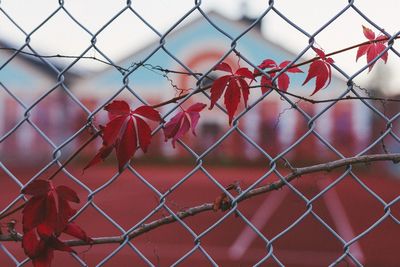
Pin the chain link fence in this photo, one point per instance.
(74, 109)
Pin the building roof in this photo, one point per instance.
(197, 37)
(24, 69)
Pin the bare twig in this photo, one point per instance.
(382, 39)
(203, 89)
(296, 173)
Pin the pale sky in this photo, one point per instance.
(60, 35)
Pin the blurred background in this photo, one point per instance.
(105, 50)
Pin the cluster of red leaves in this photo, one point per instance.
(180, 124)
(127, 129)
(234, 85)
(47, 213)
(283, 79)
(320, 69)
(125, 132)
(45, 217)
(373, 49)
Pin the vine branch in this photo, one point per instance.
(310, 100)
(203, 89)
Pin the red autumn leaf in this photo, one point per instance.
(368, 33)
(174, 126)
(245, 72)
(180, 124)
(32, 244)
(148, 113)
(117, 108)
(373, 49)
(245, 90)
(40, 210)
(219, 86)
(37, 188)
(34, 212)
(234, 85)
(126, 131)
(232, 98)
(45, 217)
(320, 69)
(194, 113)
(74, 230)
(266, 84)
(144, 132)
(48, 206)
(44, 230)
(125, 147)
(65, 212)
(283, 79)
(103, 153)
(67, 193)
(40, 249)
(292, 69)
(223, 67)
(44, 260)
(112, 130)
(267, 64)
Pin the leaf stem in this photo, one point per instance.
(70, 158)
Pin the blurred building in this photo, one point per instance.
(196, 46)
(33, 109)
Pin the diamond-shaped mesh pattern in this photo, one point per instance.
(66, 139)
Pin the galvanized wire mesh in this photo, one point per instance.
(61, 148)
